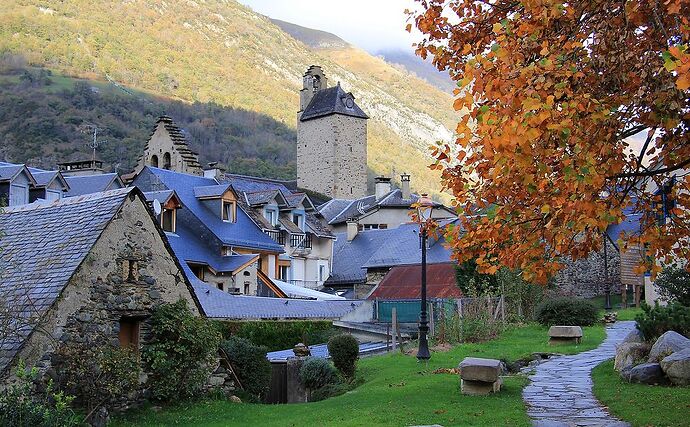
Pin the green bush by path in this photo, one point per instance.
(654, 321)
(567, 312)
(640, 404)
(250, 365)
(673, 284)
(317, 372)
(344, 351)
(397, 391)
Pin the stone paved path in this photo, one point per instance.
(560, 391)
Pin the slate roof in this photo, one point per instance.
(262, 197)
(380, 248)
(243, 232)
(296, 291)
(9, 171)
(162, 196)
(404, 282)
(211, 191)
(42, 246)
(338, 211)
(44, 178)
(331, 100)
(88, 184)
(188, 248)
(221, 305)
(321, 351)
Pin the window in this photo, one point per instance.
(322, 273)
(166, 161)
(129, 333)
(220, 286)
(271, 216)
(225, 250)
(198, 270)
(19, 195)
(664, 208)
(154, 161)
(130, 270)
(284, 272)
(168, 220)
(246, 288)
(229, 211)
(298, 219)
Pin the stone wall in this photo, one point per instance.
(585, 278)
(332, 156)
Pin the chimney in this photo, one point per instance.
(213, 171)
(405, 186)
(352, 229)
(383, 186)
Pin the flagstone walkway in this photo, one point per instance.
(560, 391)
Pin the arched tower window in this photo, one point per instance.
(166, 161)
(154, 161)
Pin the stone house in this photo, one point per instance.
(85, 270)
(331, 139)
(387, 208)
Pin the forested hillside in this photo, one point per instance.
(44, 118)
(220, 52)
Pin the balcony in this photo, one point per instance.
(301, 242)
(277, 235)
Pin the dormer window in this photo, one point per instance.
(298, 220)
(229, 213)
(168, 220)
(271, 216)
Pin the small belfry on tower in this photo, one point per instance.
(167, 148)
(331, 139)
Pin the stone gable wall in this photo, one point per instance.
(584, 278)
(161, 143)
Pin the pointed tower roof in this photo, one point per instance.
(333, 100)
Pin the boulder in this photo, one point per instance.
(565, 334)
(634, 336)
(667, 344)
(646, 373)
(677, 367)
(628, 353)
(478, 369)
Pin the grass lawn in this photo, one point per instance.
(398, 391)
(640, 404)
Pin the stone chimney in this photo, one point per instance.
(405, 186)
(213, 171)
(352, 229)
(383, 186)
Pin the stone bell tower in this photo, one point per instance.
(331, 139)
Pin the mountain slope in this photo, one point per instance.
(222, 52)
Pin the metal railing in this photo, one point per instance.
(301, 241)
(277, 235)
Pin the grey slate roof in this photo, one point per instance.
(333, 100)
(88, 184)
(380, 248)
(209, 191)
(162, 196)
(262, 197)
(42, 246)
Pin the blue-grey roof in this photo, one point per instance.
(263, 197)
(88, 184)
(321, 351)
(210, 191)
(162, 196)
(221, 305)
(333, 100)
(44, 178)
(250, 184)
(381, 248)
(9, 171)
(42, 246)
(188, 248)
(243, 233)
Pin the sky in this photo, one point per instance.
(372, 25)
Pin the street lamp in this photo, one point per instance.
(424, 208)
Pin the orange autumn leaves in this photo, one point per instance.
(543, 162)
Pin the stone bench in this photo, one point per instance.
(565, 334)
(480, 376)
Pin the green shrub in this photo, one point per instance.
(97, 376)
(475, 284)
(566, 311)
(250, 365)
(280, 335)
(673, 284)
(23, 406)
(329, 390)
(317, 372)
(344, 351)
(521, 298)
(181, 352)
(654, 321)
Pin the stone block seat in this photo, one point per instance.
(480, 376)
(565, 334)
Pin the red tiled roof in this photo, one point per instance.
(404, 282)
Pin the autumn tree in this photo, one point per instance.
(573, 115)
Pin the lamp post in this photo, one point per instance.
(424, 207)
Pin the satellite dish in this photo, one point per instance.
(157, 209)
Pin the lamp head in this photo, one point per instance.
(424, 207)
